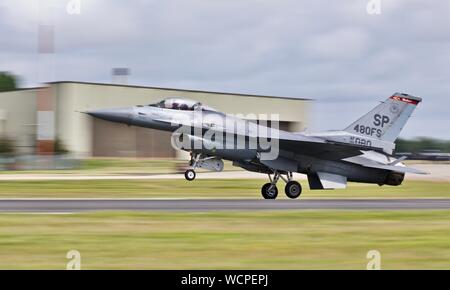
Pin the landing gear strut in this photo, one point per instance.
(190, 173)
(293, 189)
(211, 163)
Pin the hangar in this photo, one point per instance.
(34, 118)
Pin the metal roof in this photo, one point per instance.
(180, 90)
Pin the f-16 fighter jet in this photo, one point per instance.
(362, 152)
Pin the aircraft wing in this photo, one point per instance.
(320, 148)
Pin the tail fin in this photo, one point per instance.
(387, 120)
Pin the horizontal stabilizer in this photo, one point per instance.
(396, 168)
(397, 161)
(392, 166)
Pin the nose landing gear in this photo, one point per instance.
(210, 163)
(190, 173)
(293, 189)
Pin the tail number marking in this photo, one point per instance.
(360, 141)
(367, 130)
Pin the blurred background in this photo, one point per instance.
(319, 64)
(61, 57)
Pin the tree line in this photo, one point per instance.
(421, 144)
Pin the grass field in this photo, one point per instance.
(310, 239)
(210, 188)
(99, 166)
(261, 240)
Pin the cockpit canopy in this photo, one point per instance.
(181, 104)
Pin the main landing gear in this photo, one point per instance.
(293, 189)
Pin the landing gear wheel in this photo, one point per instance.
(293, 189)
(269, 191)
(189, 174)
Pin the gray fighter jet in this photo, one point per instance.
(361, 152)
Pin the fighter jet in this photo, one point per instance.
(362, 152)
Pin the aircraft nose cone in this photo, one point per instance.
(122, 115)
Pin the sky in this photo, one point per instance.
(340, 53)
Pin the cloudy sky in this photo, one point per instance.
(332, 51)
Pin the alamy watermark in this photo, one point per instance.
(73, 7)
(373, 7)
(206, 131)
(74, 262)
(374, 257)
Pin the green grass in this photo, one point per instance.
(100, 163)
(103, 166)
(261, 240)
(210, 188)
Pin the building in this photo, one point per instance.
(33, 118)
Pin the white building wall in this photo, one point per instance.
(18, 118)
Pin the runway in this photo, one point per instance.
(199, 205)
(439, 172)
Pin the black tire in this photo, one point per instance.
(293, 189)
(189, 174)
(269, 192)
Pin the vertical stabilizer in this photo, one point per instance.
(386, 121)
